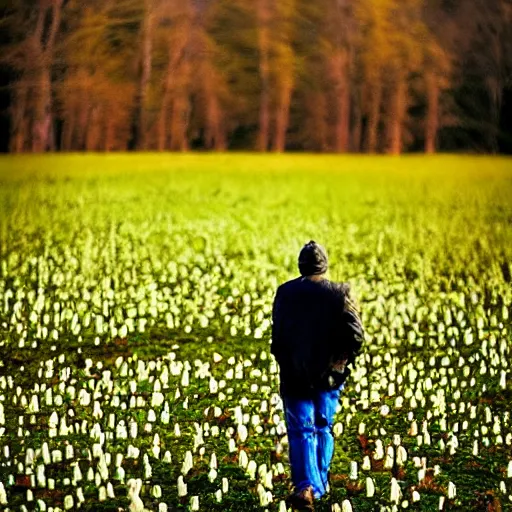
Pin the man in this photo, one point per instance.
(316, 334)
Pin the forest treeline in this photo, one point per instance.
(374, 76)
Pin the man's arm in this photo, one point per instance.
(354, 331)
(276, 319)
(350, 335)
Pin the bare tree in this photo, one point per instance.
(96, 92)
(43, 43)
(340, 28)
(397, 113)
(32, 58)
(146, 62)
(283, 69)
(405, 59)
(489, 30)
(264, 15)
(373, 52)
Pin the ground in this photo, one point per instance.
(135, 295)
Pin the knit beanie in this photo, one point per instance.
(312, 259)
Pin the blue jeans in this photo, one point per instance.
(311, 443)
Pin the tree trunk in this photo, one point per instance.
(317, 126)
(19, 127)
(109, 134)
(343, 124)
(432, 121)
(179, 122)
(173, 72)
(339, 72)
(41, 129)
(40, 98)
(93, 130)
(145, 75)
(355, 144)
(322, 123)
(282, 117)
(83, 123)
(67, 132)
(495, 92)
(163, 116)
(42, 119)
(342, 116)
(263, 14)
(494, 82)
(264, 119)
(396, 116)
(374, 116)
(164, 113)
(215, 138)
(180, 113)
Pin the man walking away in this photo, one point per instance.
(316, 334)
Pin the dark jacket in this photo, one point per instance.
(309, 334)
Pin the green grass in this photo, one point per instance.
(196, 245)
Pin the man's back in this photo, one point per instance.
(306, 326)
(316, 333)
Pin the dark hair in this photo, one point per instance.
(312, 259)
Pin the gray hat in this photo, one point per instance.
(312, 259)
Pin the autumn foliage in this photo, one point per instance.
(376, 76)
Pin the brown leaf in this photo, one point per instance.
(23, 481)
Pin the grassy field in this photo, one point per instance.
(135, 299)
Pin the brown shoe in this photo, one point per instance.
(301, 500)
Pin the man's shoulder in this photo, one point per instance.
(325, 286)
(326, 283)
(289, 285)
(336, 287)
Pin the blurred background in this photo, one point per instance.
(369, 76)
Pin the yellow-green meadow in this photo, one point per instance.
(135, 320)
